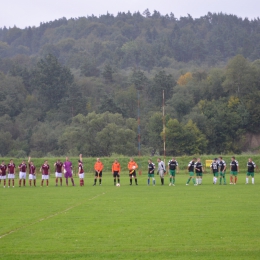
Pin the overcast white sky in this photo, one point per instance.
(24, 13)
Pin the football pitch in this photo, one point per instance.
(131, 222)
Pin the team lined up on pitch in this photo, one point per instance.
(195, 168)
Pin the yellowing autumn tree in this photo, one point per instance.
(233, 101)
(184, 79)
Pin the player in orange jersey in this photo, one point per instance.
(116, 168)
(132, 167)
(98, 167)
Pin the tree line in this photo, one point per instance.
(133, 39)
(85, 99)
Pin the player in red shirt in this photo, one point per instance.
(22, 173)
(32, 172)
(45, 170)
(11, 172)
(81, 171)
(58, 172)
(3, 168)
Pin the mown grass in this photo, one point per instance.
(131, 222)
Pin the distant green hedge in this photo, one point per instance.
(141, 161)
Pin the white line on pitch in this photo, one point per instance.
(51, 216)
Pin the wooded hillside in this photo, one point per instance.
(71, 86)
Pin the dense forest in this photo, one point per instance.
(73, 86)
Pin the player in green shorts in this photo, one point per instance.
(172, 167)
(234, 169)
(215, 170)
(222, 168)
(151, 168)
(190, 169)
(250, 170)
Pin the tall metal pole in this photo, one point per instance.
(139, 134)
(164, 139)
(138, 121)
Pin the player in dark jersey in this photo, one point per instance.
(32, 172)
(199, 171)
(45, 170)
(151, 168)
(222, 170)
(190, 168)
(58, 172)
(22, 173)
(215, 170)
(250, 170)
(11, 172)
(81, 171)
(172, 167)
(3, 169)
(234, 169)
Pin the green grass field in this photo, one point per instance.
(131, 222)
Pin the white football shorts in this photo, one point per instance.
(58, 174)
(22, 175)
(81, 175)
(32, 177)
